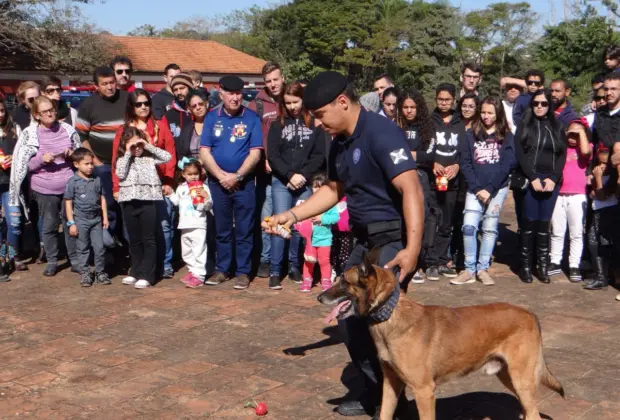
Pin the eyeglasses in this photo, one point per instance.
(543, 104)
(50, 111)
(49, 91)
(469, 107)
(146, 104)
(197, 105)
(31, 100)
(599, 98)
(533, 82)
(121, 71)
(444, 100)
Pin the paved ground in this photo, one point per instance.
(173, 353)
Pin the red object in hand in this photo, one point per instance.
(194, 191)
(261, 409)
(3, 158)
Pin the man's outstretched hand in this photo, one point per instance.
(405, 260)
(286, 219)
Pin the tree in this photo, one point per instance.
(147, 30)
(38, 34)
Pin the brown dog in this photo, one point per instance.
(424, 346)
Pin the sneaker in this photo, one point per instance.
(310, 258)
(486, 278)
(326, 284)
(4, 277)
(168, 273)
(129, 281)
(295, 276)
(241, 282)
(275, 283)
(618, 296)
(448, 272)
(418, 277)
(86, 280)
(18, 266)
(217, 278)
(465, 277)
(263, 270)
(103, 278)
(574, 275)
(50, 270)
(194, 282)
(142, 284)
(306, 286)
(554, 269)
(432, 273)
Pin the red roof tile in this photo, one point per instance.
(153, 54)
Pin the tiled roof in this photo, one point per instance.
(153, 54)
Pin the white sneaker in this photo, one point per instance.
(142, 284)
(129, 280)
(418, 277)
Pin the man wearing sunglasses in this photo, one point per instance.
(533, 82)
(51, 88)
(123, 68)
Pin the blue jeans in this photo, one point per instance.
(264, 200)
(165, 219)
(283, 200)
(12, 217)
(474, 212)
(539, 206)
(234, 209)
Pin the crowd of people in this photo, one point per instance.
(100, 177)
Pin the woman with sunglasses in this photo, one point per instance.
(139, 114)
(541, 154)
(43, 151)
(188, 143)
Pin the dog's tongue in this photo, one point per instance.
(336, 311)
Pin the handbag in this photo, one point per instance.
(518, 181)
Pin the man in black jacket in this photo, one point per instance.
(178, 115)
(162, 100)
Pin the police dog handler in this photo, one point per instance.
(370, 162)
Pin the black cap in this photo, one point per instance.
(231, 83)
(323, 89)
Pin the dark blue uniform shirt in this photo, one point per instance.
(366, 162)
(231, 138)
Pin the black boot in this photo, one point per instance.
(525, 252)
(542, 251)
(599, 282)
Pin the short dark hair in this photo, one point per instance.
(612, 51)
(566, 83)
(319, 178)
(269, 67)
(535, 73)
(599, 78)
(103, 71)
(475, 67)
(80, 153)
(202, 94)
(50, 81)
(613, 76)
(121, 59)
(383, 76)
(350, 93)
(446, 87)
(391, 91)
(171, 66)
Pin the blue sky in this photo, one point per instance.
(121, 16)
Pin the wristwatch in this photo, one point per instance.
(70, 223)
(240, 177)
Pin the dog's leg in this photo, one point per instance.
(425, 400)
(525, 384)
(504, 377)
(392, 388)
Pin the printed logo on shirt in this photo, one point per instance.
(398, 156)
(411, 134)
(303, 132)
(356, 155)
(218, 128)
(486, 153)
(175, 130)
(442, 141)
(239, 130)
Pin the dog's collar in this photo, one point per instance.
(384, 312)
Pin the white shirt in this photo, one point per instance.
(190, 216)
(508, 107)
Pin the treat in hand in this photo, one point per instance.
(281, 230)
(195, 187)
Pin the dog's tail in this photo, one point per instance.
(551, 381)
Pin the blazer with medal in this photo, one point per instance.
(231, 137)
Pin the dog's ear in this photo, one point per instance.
(365, 269)
(373, 255)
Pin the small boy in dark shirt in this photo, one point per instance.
(87, 216)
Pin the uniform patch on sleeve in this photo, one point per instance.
(398, 156)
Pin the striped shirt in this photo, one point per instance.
(98, 120)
